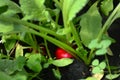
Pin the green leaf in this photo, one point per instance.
(22, 75)
(11, 66)
(5, 27)
(20, 28)
(91, 78)
(39, 3)
(95, 62)
(62, 62)
(4, 76)
(105, 43)
(20, 62)
(94, 44)
(28, 38)
(13, 8)
(8, 66)
(9, 43)
(112, 76)
(18, 51)
(33, 62)
(34, 10)
(90, 24)
(104, 6)
(102, 65)
(12, 28)
(72, 7)
(63, 31)
(109, 52)
(3, 9)
(27, 55)
(57, 73)
(46, 65)
(96, 70)
(101, 51)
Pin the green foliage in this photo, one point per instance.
(72, 8)
(13, 8)
(62, 62)
(34, 9)
(11, 66)
(95, 62)
(59, 63)
(91, 23)
(4, 76)
(112, 76)
(91, 78)
(104, 6)
(9, 43)
(5, 27)
(63, 31)
(20, 76)
(20, 62)
(100, 46)
(28, 38)
(57, 73)
(98, 67)
(33, 62)
(3, 9)
(17, 76)
(40, 21)
(8, 66)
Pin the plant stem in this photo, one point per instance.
(56, 42)
(76, 36)
(33, 76)
(57, 17)
(109, 70)
(90, 56)
(78, 42)
(31, 25)
(66, 23)
(48, 52)
(32, 29)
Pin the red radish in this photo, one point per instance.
(60, 53)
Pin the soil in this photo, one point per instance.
(75, 71)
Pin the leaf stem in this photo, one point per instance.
(109, 70)
(32, 29)
(56, 42)
(31, 25)
(90, 56)
(78, 42)
(48, 52)
(75, 35)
